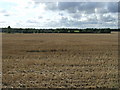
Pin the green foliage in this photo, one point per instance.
(58, 30)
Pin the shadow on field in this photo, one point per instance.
(52, 50)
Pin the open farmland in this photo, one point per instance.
(60, 60)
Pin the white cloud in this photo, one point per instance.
(28, 13)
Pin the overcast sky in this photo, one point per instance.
(33, 14)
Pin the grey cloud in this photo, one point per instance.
(7, 15)
(76, 16)
(70, 6)
(119, 6)
(90, 22)
(40, 17)
(3, 11)
(48, 19)
(51, 6)
(113, 7)
(65, 22)
(61, 14)
(2, 22)
(90, 6)
(64, 19)
(108, 18)
(75, 9)
(31, 21)
(87, 7)
(102, 11)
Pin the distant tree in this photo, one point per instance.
(9, 27)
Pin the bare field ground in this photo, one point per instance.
(60, 60)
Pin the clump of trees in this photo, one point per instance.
(58, 30)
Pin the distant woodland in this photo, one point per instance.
(58, 30)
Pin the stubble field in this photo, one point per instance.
(60, 60)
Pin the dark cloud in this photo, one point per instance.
(76, 9)
(87, 7)
(119, 6)
(102, 11)
(113, 7)
(71, 7)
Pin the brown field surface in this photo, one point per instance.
(60, 60)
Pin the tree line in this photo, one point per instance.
(58, 30)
